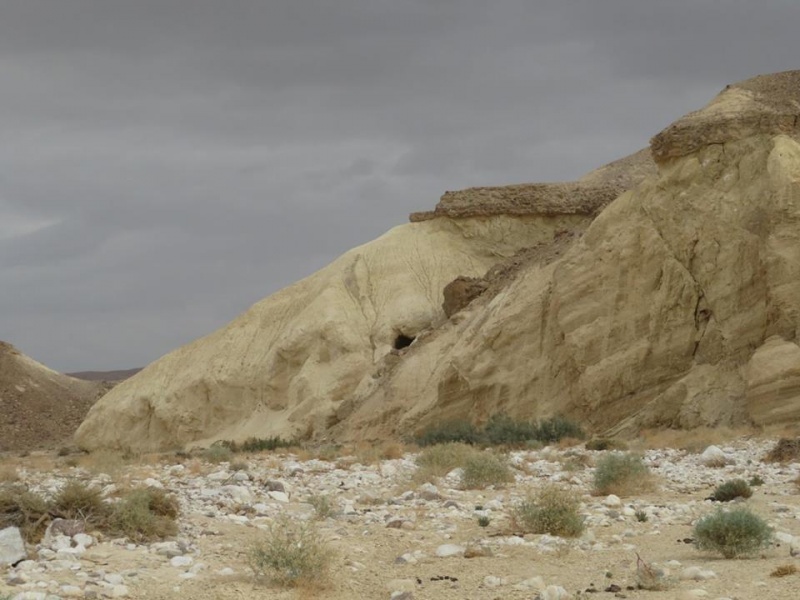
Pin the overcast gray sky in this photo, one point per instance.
(164, 164)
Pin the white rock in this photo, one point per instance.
(120, 591)
(241, 476)
(794, 548)
(491, 581)
(554, 592)
(153, 483)
(714, 457)
(181, 561)
(279, 496)
(447, 550)
(71, 591)
(114, 578)
(238, 493)
(226, 572)
(697, 574)
(12, 546)
(612, 501)
(218, 476)
(83, 539)
(532, 583)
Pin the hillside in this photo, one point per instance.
(39, 407)
(637, 296)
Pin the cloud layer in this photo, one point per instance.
(166, 163)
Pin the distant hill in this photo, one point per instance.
(118, 375)
(39, 408)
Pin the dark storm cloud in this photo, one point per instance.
(166, 163)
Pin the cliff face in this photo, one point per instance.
(677, 307)
(285, 366)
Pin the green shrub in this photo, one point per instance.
(292, 553)
(255, 444)
(449, 432)
(483, 521)
(552, 510)
(621, 474)
(558, 428)
(483, 469)
(322, 506)
(76, 500)
(438, 461)
(737, 532)
(144, 514)
(600, 444)
(732, 489)
(756, 481)
(217, 454)
(641, 516)
(502, 429)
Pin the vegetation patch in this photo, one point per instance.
(438, 461)
(217, 454)
(553, 510)
(600, 444)
(733, 533)
(323, 507)
(783, 571)
(621, 474)
(732, 489)
(291, 554)
(142, 514)
(483, 469)
(502, 430)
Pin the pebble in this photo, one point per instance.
(448, 550)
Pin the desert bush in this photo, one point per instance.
(217, 454)
(77, 500)
(552, 510)
(756, 481)
(483, 521)
(737, 532)
(19, 507)
(238, 465)
(449, 432)
(483, 469)
(144, 514)
(600, 444)
(784, 450)
(323, 507)
(641, 516)
(558, 428)
(621, 473)
(292, 553)
(439, 460)
(732, 489)
(255, 444)
(503, 430)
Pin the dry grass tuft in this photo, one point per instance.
(785, 450)
(553, 510)
(292, 554)
(783, 571)
(8, 473)
(439, 460)
(19, 507)
(623, 474)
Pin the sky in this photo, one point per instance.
(164, 164)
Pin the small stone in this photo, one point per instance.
(120, 591)
(612, 501)
(181, 561)
(428, 491)
(226, 572)
(275, 486)
(278, 496)
(448, 550)
(114, 578)
(153, 483)
(477, 551)
(83, 539)
(491, 581)
(401, 596)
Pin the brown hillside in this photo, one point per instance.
(39, 408)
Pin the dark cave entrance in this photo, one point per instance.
(402, 341)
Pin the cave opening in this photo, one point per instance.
(402, 341)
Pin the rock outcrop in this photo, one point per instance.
(678, 307)
(39, 407)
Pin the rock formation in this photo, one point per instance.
(678, 306)
(39, 407)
